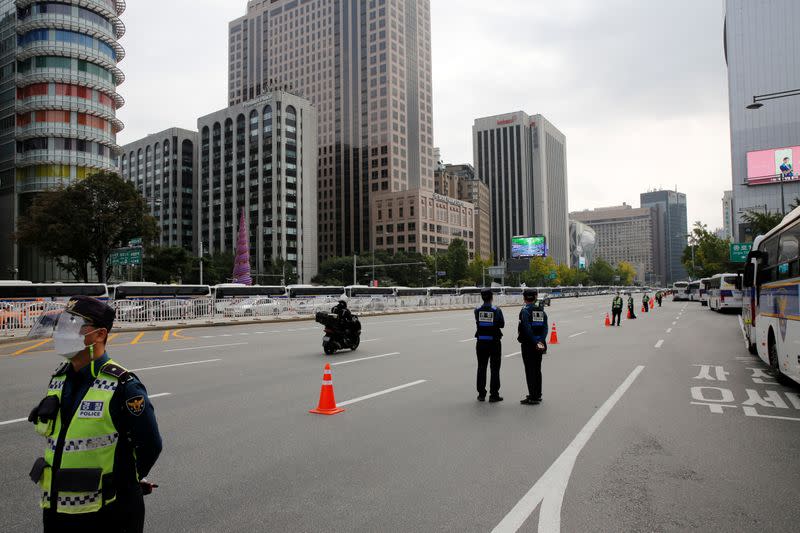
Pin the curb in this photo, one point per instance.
(213, 324)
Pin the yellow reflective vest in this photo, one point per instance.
(78, 463)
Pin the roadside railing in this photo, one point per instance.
(17, 320)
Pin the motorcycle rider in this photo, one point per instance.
(342, 312)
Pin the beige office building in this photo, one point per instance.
(365, 65)
(628, 234)
(420, 220)
(460, 182)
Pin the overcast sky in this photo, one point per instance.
(638, 86)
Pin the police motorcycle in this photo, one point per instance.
(342, 329)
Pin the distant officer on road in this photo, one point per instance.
(646, 302)
(101, 430)
(631, 306)
(533, 341)
(489, 321)
(616, 310)
(659, 297)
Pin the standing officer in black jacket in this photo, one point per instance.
(489, 321)
(533, 343)
(616, 310)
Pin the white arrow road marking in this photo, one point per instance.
(549, 490)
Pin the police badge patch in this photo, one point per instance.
(135, 405)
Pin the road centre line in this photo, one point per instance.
(467, 340)
(380, 393)
(513, 354)
(204, 347)
(444, 330)
(669, 330)
(176, 364)
(364, 359)
(137, 338)
(549, 490)
(660, 343)
(370, 340)
(674, 323)
(576, 334)
(16, 420)
(31, 347)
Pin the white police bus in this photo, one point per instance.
(679, 293)
(725, 292)
(771, 298)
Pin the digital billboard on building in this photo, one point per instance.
(525, 247)
(774, 165)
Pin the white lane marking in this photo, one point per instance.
(751, 411)
(467, 340)
(588, 316)
(550, 489)
(576, 334)
(513, 354)
(225, 335)
(207, 336)
(660, 343)
(370, 340)
(364, 359)
(17, 420)
(244, 334)
(13, 421)
(204, 347)
(381, 393)
(444, 330)
(669, 330)
(176, 364)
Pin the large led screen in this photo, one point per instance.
(523, 247)
(772, 166)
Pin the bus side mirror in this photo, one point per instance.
(749, 271)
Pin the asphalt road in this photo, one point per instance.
(634, 434)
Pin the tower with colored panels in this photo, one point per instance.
(58, 104)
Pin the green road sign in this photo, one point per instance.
(137, 241)
(739, 251)
(126, 256)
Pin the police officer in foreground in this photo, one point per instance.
(533, 341)
(101, 433)
(489, 322)
(616, 310)
(631, 306)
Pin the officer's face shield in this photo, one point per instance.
(55, 321)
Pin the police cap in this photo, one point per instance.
(95, 312)
(530, 294)
(486, 293)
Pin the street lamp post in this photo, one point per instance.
(759, 98)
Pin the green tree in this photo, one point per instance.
(476, 269)
(601, 273)
(540, 272)
(566, 275)
(711, 254)
(458, 260)
(79, 225)
(167, 264)
(217, 268)
(626, 273)
(276, 272)
(761, 223)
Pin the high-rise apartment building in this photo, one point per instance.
(671, 206)
(627, 234)
(761, 60)
(162, 167)
(727, 215)
(366, 67)
(260, 156)
(58, 103)
(460, 182)
(523, 160)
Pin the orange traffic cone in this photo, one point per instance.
(327, 402)
(652, 303)
(608, 321)
(554, 335)
(629, 313)
(642, 309)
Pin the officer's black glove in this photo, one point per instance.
(147, 487)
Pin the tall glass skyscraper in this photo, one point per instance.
(671, 206)
(365, 65)
(58, 103)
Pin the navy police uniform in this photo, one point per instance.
(489, 321)
(137, 451)
(533, 330)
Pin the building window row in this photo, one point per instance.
(70, 37)
(58, 143)
(50, 8)
(65, 117)
(65, 89)
(65, 63)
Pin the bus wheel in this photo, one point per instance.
(774, 360)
